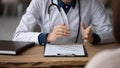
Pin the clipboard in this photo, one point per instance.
(77, 50)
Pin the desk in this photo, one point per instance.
(34, 57)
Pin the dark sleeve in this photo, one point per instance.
(42, 38)
(96, 38)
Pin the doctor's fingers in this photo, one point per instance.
(83, 27)
(87, 36)
(63, 31)
(61, 36)
(89, 28)
(61, 26)
(87, 31)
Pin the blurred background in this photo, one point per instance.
(10, 15)
(11, 12)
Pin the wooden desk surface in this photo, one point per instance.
(34, 57)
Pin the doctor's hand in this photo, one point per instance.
(86, 33)
(59, 31)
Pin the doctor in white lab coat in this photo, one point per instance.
(60, 27)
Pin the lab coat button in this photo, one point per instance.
(66, 6)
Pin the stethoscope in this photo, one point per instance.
(53, 4)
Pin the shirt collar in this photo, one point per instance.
(61, 4)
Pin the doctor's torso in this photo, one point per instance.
(48, 21)
(92, 13)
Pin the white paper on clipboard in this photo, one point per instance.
(64, 50)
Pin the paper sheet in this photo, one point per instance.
(64, 50)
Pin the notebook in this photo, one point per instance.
(65, 50)
(14, 47)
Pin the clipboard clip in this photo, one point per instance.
(65, 54)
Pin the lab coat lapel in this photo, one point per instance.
(65, 18)
(57, 17)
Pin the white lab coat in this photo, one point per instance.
(92, 13)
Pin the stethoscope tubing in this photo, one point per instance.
(53, 4)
